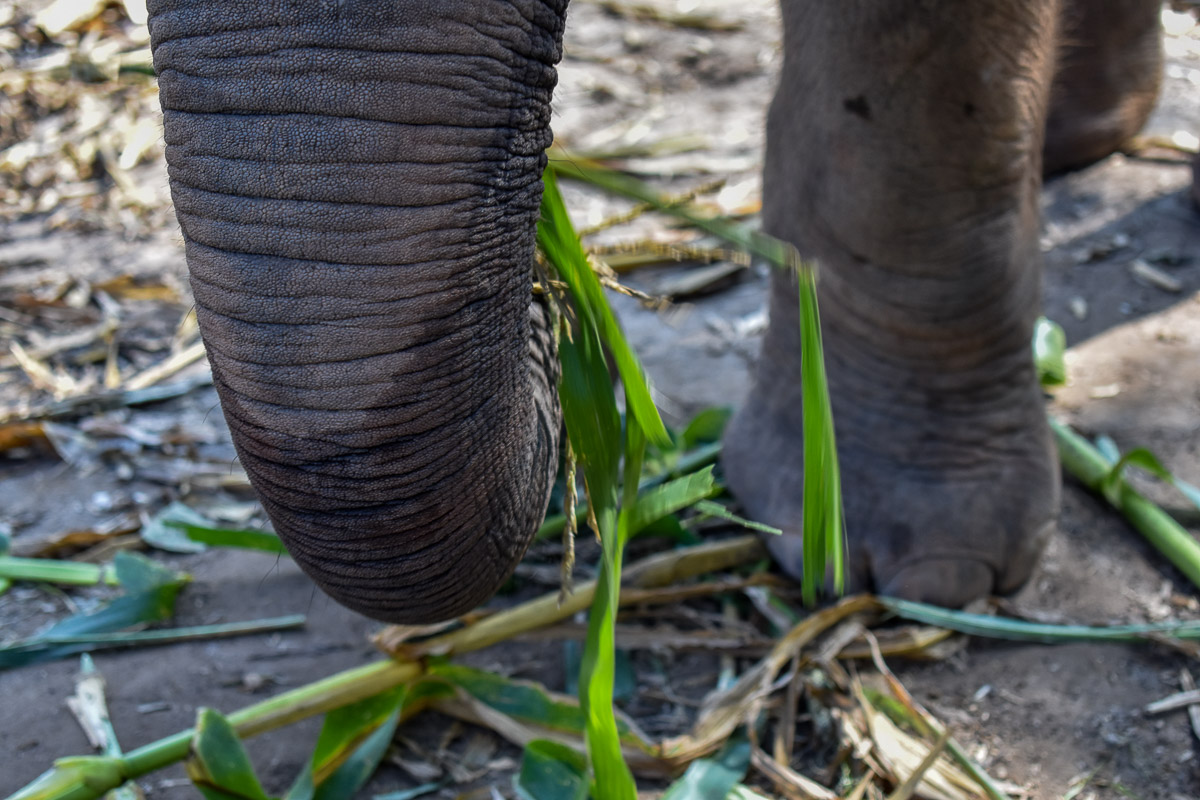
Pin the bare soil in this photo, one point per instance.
(1040, 716)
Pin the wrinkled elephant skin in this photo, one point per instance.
(358, 185)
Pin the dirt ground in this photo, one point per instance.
(1043, 717)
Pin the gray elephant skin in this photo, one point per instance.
(358, 183)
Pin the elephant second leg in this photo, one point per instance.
(1107, 78)
(914, 180)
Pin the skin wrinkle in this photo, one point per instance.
(442, 26)
(308, 330)
(431, 481)
(362, 284)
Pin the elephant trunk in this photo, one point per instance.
(358, 185)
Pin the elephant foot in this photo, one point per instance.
(1109, 71)
(942, 504)
(946, 500)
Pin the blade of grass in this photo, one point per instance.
(689, 465)
(721, 512)
(654, 504)
(227, 537)
(358, 744)
(49, 570)
(1049, 352)
(1093, 470)
(822, 515)
(152, 591)
(1023, 631)
(109, 641)
(716, 776)
(556, 237)
(574, 167)
(593, 426)
(551, 771)
(822, 491)
(219, 766)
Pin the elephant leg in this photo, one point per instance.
(904, 153)
(1109, 71)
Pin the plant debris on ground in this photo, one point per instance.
(788, 703)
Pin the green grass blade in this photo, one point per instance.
(1022, 631)
(1092, 468)
(593, 426)
(561, 246)
(568, 166)
(74, 778)
(1049, 352)
(108, 641)
(49, 570)
(823, 520)
(822, 491)
(415, 792)
(228, 537)
(348, 778)
(551, 771)
(721, 512)
(152, 588)
(219, 766)
(654, 504)
(597, 677)
(706, 427)
(713, 777)
(157, 532)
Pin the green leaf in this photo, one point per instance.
(521, 701)
(721, 512)
(74, 777)
(1022, 631)
(136, 573)
(714, 777)
(556, 236)
(155, 602)
(706, 427)
(1049, 350)
(227, 537)
(356, 770)
(1108, 448)
(671, 528)
(573, 167)
(1138, 457)
(414, 792)
(158, 533)
(51, 570)
(594, 429)
(822, 515)
(551, 771)
(590, 413)
(347, 727)
(1089, 466)
(822, 488)
(354, 738)
(218, 764)
(676, 495)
